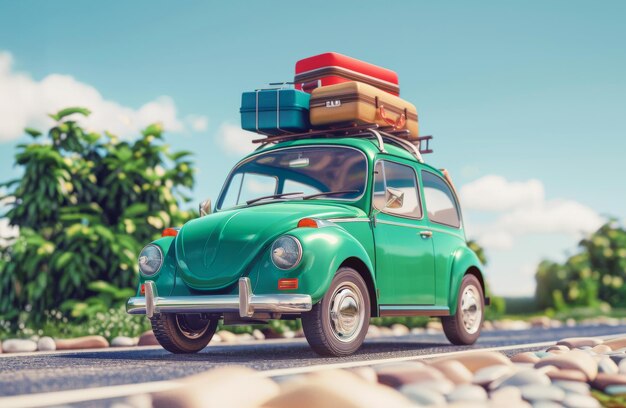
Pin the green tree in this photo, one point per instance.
(594, 275)
(85, 206)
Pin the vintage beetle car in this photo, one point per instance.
(332, 230)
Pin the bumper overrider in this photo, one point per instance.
(246, 303)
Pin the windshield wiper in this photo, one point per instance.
(329, 193)
(272, 196)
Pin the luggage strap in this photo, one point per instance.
(256, 111)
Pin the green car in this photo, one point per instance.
(332, 230)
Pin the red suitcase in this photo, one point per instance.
(332, 68)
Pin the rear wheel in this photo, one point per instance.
(183, 333)
(464, 327)
(337, 325)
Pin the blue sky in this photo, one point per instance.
(526, 100)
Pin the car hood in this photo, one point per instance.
(214, 251)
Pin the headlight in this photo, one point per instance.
(150, 260)
(286, 252)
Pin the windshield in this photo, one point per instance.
(300, 171)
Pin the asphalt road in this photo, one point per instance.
(70, 371)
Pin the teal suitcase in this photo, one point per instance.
(274, 112)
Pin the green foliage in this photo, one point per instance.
(594, 275)
(85, 205)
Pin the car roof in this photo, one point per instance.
(368, 146)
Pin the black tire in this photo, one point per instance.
(183, 333)
(466, 332)
(330, 336)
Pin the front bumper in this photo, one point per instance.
(246, 303)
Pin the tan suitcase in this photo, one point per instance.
(356, 102)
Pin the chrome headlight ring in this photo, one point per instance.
(286, 252)
(150, 260)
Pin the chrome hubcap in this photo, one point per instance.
(471, 309)
(346, 312)
(192, 327)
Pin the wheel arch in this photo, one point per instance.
(358, 265)
(465, 263)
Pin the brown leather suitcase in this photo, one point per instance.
(360, 103)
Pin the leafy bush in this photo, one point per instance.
(589, 278)
(85, 206)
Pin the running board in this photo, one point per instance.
(400, 310)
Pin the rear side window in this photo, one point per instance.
(440, 202)
(401, 179)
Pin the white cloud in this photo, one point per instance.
(25, 102)
(495, 193)
(233, 139)
(520, 208)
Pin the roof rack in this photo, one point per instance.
(383, 135)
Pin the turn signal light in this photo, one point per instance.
(169, 232)
(288, 283)
(143, 289)
(307, 223)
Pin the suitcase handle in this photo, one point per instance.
(310, 86)
(397, 124)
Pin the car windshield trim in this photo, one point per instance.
(220, 197)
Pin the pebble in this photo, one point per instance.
(487, 375)
(602, 349)
(604, 380)
(46, 344)
(443, 387)
(534, 393)
(523, 377)
(245, 337)
(506, 395)
(476, 361)
(580, 401)
(123, 341)
(372, 331)
(615, 389)
(567, 375)
(617, 357)
(546, 404)
(367, 374)
(80, 343)
(525, 357)
(19, 346)
(434, 326)
(422, 395)
(227, 337)
(575, 359)
(607, 366)
(467, 393)
(215, 339)
(542, 354)
(617, 343)
(400, 330)
(222, 387)
(400, 375)
(578, 342)
(573, 387)
(557, 347)
(454, 371)
(258, 334)
(148, 339)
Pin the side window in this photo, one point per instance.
(440, 202)
(248, 186)
(401, 180)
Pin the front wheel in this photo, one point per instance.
(183, 333)
(337, 325)
(464, 327)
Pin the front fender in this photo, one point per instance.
(323, 251)
(464, 260)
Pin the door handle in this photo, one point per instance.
(426, 234)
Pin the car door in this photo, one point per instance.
(405, 270)
(444, 218)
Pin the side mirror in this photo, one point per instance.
(394, 198)
(205, 207)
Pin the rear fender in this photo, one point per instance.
(465, 261)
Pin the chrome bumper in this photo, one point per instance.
(246, 303)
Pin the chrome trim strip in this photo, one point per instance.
(414, 307)
(246, 302)
(340, 220)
